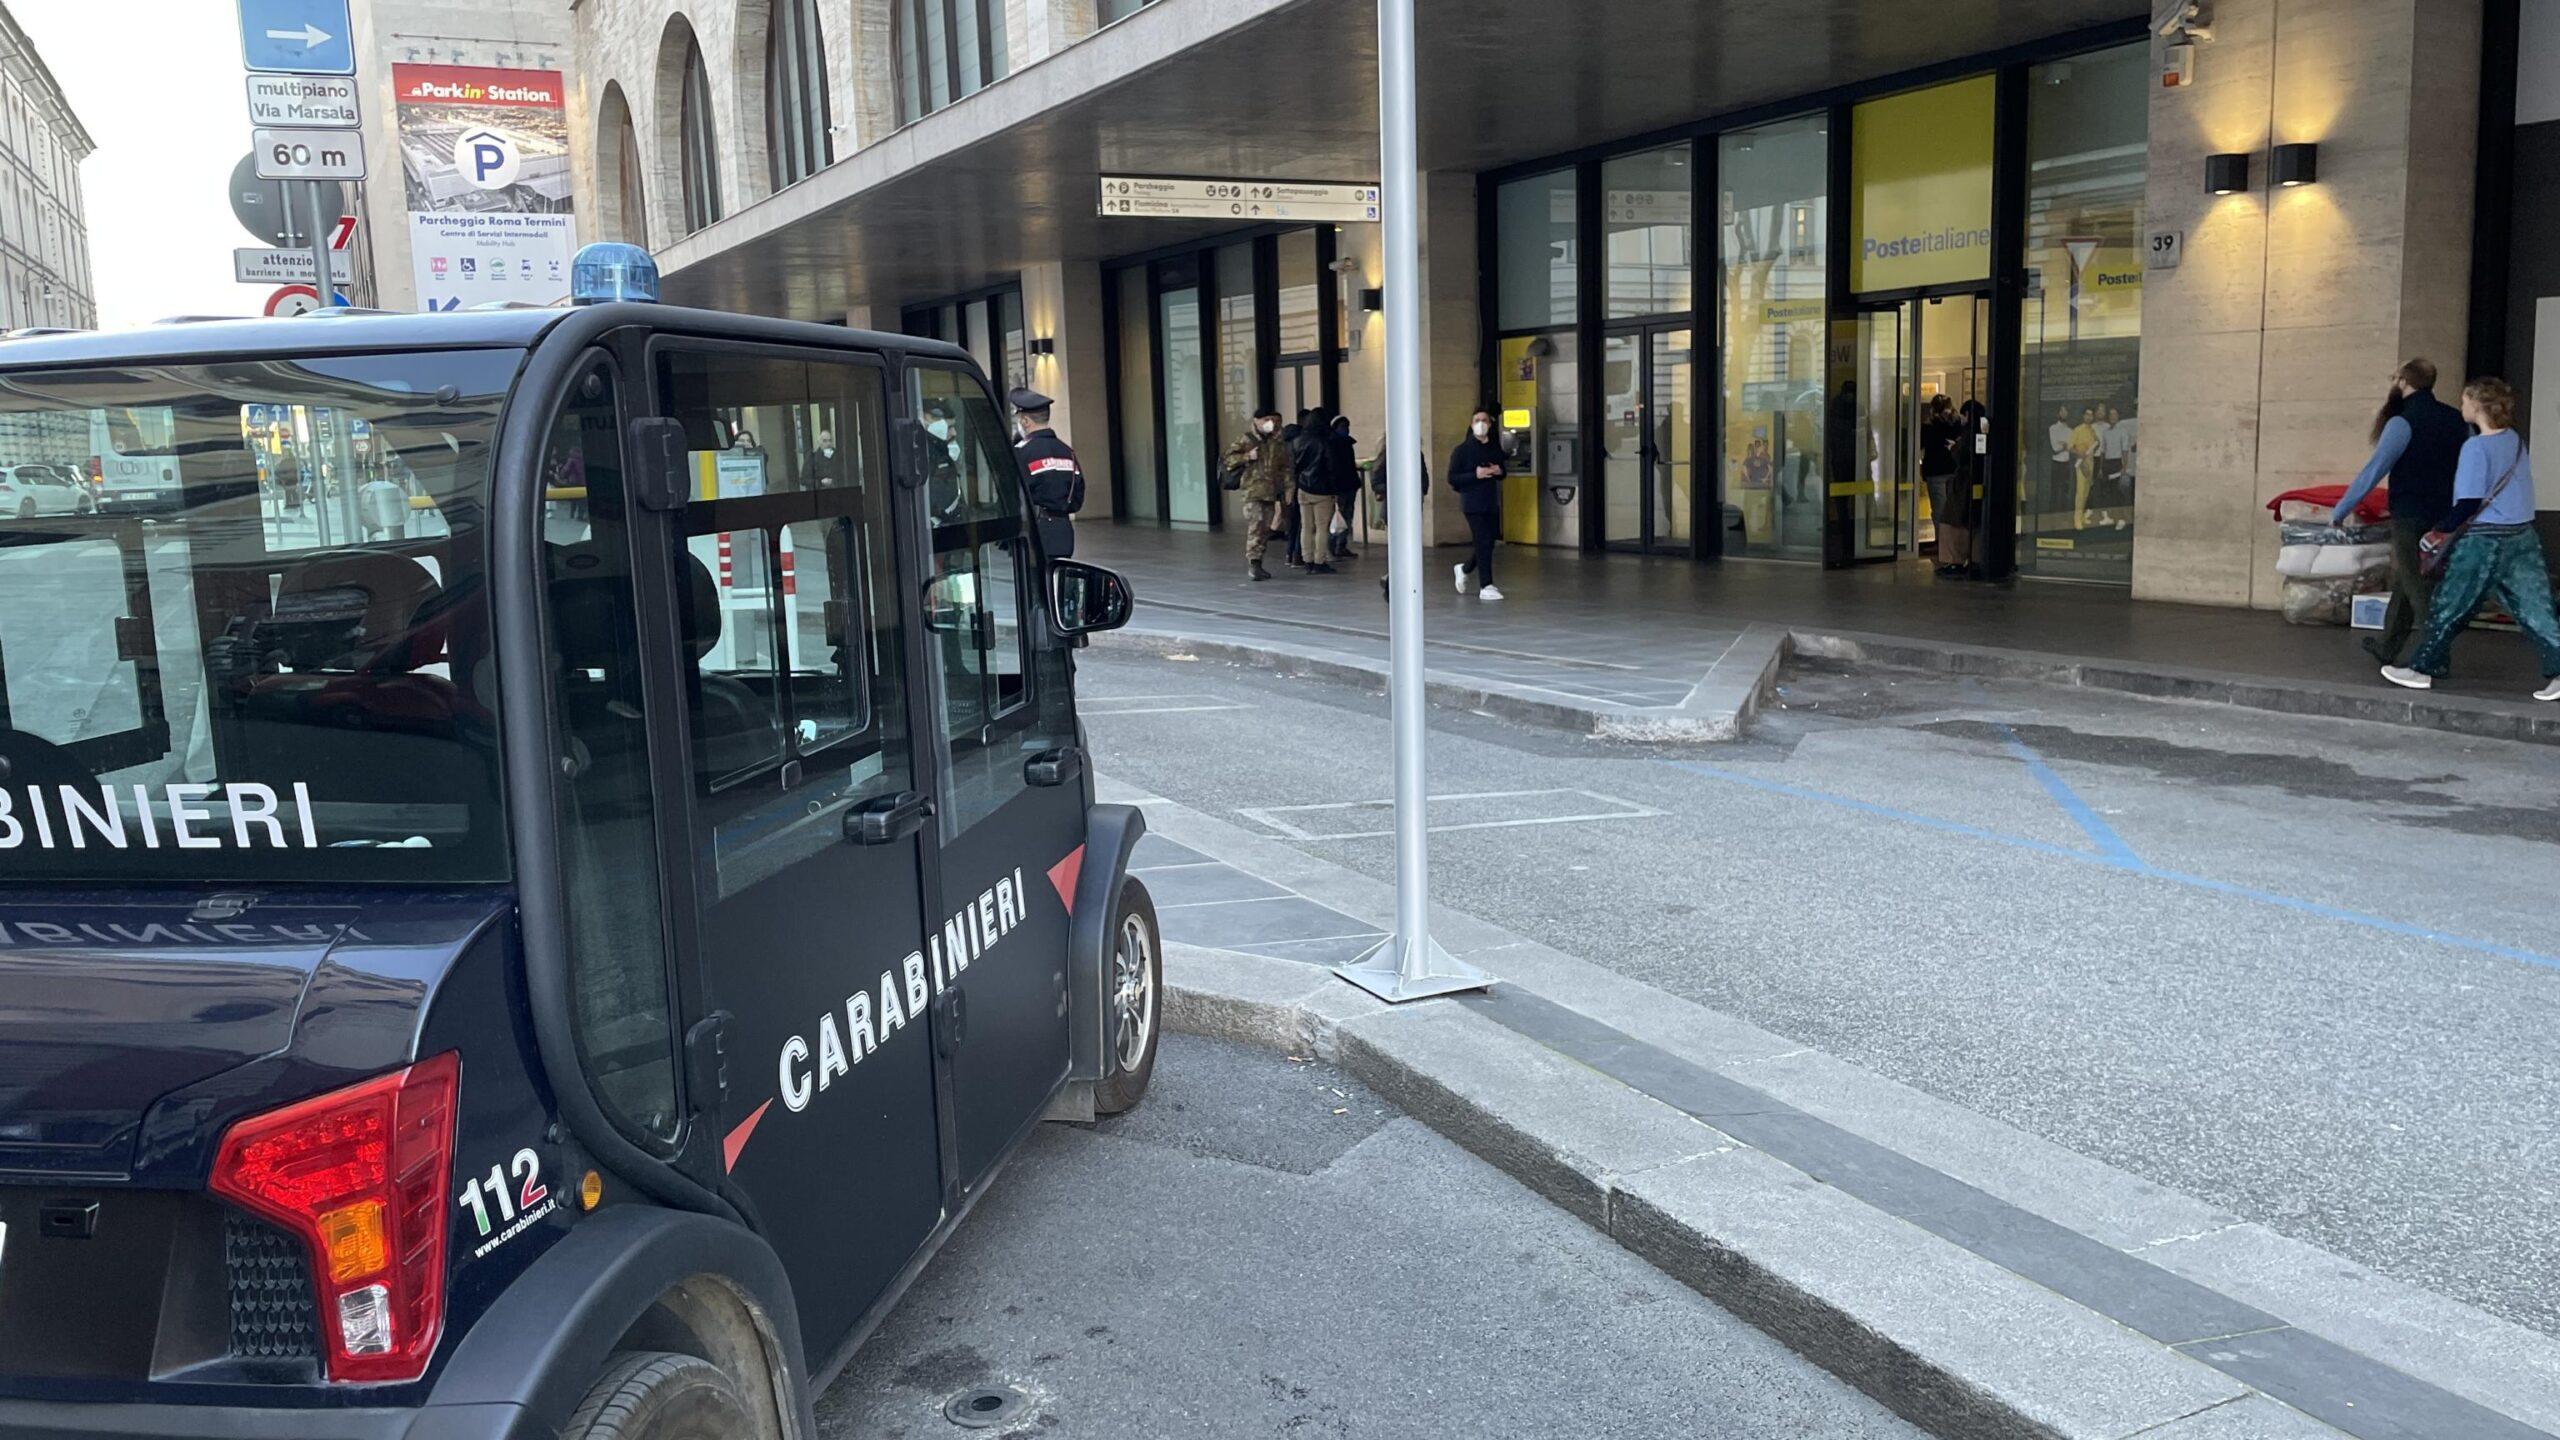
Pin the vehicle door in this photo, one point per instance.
(1012, 789)
(807, 819)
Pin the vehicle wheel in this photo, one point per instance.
(27, 509)
(652, 1396)
(1137, 1002)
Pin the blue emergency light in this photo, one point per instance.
(611, 270)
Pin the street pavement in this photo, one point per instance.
(1266, 1248)
(2303, 970)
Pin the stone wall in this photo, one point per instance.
(2266, 351)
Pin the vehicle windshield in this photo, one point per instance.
(273, 662)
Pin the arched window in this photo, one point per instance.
(624, 191)
(701, 151)
(795, 94)
(946, 49)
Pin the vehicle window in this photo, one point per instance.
(975, 601)
(608, 825)
(275, 664)
(795, 689)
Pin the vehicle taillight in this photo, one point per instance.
(364, 1177)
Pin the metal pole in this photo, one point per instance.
(1409, 965)
(322, 227)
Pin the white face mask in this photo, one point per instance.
(1268, 427)
(1484, 430)
(941, 428)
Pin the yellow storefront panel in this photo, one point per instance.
(1920, 188)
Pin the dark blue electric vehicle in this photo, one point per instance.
(536, 893)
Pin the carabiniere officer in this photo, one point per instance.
(1057, 478)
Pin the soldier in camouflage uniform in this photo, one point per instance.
(1262, 458)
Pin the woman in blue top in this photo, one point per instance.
(2493, 492)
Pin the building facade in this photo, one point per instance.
(1729, 272)
(467, 122)
(45, 278)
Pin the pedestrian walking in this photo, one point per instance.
(1342, 462)
(1260, 462)
(1475, 473)
(1055, 475)
(2417, 442)
(1312, 462)
(2487, 546)
(1293, 437)
(1944, 440)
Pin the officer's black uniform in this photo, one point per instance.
(1057, 478)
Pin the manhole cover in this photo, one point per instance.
(985, 1408)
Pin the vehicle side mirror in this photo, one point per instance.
(1086, 598)
(661, 463)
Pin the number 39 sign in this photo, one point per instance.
(2160, 251)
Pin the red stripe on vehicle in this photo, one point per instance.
(738, 1138)
(1064, 875)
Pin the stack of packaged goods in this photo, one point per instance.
(2325, 567)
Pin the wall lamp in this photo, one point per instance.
(2226, 174)
(2297, 164)
(1045, 345)
(1373, 299)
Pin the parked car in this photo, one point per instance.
(29, 490)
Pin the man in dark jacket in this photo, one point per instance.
(2417, 441)
(1475, 472)
(1056, 476)
(1312, 458)
(1343, 461)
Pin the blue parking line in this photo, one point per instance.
(2099, 831)
(2123, 861)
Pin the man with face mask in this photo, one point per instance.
(1057, 478)
(1262, 460)
(1475, 471)
(942, 485)
(824, 468)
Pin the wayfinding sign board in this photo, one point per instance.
(297, 37)
(308, 154)
(308, 102)
(1161, 197)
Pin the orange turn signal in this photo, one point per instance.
(353, 1241)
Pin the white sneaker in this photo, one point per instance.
(2550, 691)
(1460, 571)
(2408, 679)
(1490, 592)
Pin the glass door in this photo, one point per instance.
(1646, 438)
(1952, 340)
(1873, 493)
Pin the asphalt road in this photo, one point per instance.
(2306, 970)
(1265, 1249)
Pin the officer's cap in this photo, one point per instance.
(1023, 397)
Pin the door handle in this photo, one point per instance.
(1051, 768)
(889, 819)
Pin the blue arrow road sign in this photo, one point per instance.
(297, 37)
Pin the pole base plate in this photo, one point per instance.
(1393, 973)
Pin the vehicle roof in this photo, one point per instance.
(344, 332)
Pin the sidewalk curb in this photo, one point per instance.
(2481, 716)
(1723, 704)
(1946, 1339)
(1461, 692)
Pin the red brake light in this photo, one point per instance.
(364, 1176)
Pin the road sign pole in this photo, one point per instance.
(323, 228)
(1410, 965)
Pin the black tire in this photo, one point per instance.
(1137, 972)
(652, 1396)
(27, 509)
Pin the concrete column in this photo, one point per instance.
(1452, 348)
(2265, 352)
(1062, 301)
(1041, 28)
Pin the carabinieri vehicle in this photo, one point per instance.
(540, 921)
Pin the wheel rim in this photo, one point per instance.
(1133, 992)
